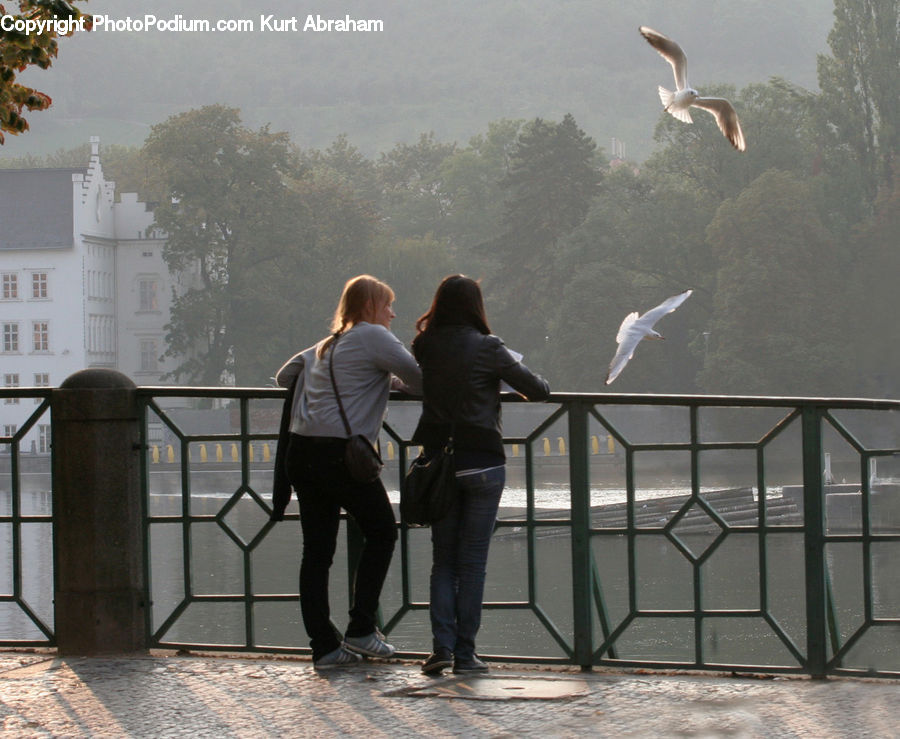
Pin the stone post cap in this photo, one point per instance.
(98, 379)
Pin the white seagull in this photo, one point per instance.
(678, 103)
(633, 329)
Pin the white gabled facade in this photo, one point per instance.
(83, 284)
(143, 295)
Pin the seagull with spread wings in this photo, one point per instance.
(635, 328)
(678, 103)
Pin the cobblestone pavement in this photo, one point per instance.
(219, 696)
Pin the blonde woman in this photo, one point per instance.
(367, 361)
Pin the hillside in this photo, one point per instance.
(445, 67)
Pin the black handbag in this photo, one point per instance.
(428, 491)
(429, 488)
(363, 461)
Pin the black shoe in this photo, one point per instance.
(439, 659)
(467, 665)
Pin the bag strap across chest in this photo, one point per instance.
(337, 395)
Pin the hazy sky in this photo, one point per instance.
(445, 67)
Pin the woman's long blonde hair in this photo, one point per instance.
(362, 296)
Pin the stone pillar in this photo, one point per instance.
(97, 508)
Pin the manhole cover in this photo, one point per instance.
(501, 688)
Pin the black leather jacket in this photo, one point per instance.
(461, 374)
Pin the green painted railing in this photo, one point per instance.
(26, 614)
(692, 532)
(791, 604)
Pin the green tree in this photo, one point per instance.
(582, 331)
(287, 300)
(860, 83)
(228, 211)
(554, 175)
(413, 267)
(874, 303)
(640, 243)
(779, 125)
(779, 293)
(654, 228)
(348, 165)
(472, 186)
(21, 47)
(126, 166)
(413, 200)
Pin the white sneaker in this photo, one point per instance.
(340, 657)
(372, 645)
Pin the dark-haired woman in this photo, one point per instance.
(463, 365)
(367, 360)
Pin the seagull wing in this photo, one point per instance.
(628, 338)
(671, 52)
(626, 324)
(726, 117)
(623, 355)
(649, 318)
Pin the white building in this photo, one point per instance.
(82, 284)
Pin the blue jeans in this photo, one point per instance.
(460, 544)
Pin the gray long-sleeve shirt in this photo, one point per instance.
(365, 357)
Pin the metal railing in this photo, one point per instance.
(26, 557)
(702, 532)
(811, 589)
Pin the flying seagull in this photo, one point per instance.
(678, 103)
(633, 329)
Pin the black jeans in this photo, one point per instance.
(317, 472)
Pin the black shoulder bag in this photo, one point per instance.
(428, 491)
(362, 459)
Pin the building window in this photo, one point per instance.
(10, 285)
(41, 379)
(10, 429)
(41, 336)
(100, 334)
(38, 284)
(10, 337)
(148, 290)
(11, 380)
(43, 438)
(149, 355)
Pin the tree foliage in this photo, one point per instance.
(269, 236)
(553, 177)
(860, 84)
(123, 165)
(871, 326)
(228, 212)
(774, 329)
(20, 49)
(412, 190)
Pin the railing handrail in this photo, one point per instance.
(185, 391)
(205, 391)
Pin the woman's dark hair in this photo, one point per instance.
(457, 302)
